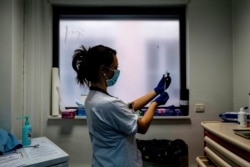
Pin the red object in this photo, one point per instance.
(68, 114)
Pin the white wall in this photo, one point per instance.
(241, 52)
(11, 64)
(210, 67)
(211, 58)
(5, 64)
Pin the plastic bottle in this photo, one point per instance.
(242, 118)
(26, 131)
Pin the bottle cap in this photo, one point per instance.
(166, 74)
(26, 117)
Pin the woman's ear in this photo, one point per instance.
(103, 68)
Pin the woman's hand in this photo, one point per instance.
(162, 99)
(163, 84)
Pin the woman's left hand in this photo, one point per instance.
(163, 84)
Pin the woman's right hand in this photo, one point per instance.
(162, 99)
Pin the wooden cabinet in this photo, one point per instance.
(222, 147)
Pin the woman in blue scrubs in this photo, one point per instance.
(113, 123)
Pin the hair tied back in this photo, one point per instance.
(78, 57)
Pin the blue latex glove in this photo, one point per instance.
(8, 142)
(163, 84)
(162, 99)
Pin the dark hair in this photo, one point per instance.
(87, 63)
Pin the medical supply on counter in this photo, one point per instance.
(68, 114)
(163, 111)
(231, 116)
(242, 118)
(81, 112)
(81, 109)
(26, 131)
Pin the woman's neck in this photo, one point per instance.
(99, 85)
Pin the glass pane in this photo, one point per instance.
(146, 49)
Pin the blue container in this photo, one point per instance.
(232, 116)
(81, 112)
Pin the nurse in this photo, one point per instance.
(113, 123)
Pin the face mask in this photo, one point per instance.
(112, 81)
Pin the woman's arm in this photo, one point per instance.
(142, 101)
(144, 122)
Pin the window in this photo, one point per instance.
(149, 41)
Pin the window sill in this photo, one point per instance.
(60, 117)
(171, 117)
(155, 117)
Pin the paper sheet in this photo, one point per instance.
(11, 160)
(45, 149)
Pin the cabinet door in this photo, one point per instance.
(203, 161)
(65, 164)
(215, 158)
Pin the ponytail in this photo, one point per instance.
(79, 65)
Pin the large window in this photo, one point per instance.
(148, 41)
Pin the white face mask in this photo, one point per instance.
(112, 81)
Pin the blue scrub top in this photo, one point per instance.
(112, 129)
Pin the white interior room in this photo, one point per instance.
(217, 46)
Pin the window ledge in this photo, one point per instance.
(60, 117)
(171, 117)
(155, 117)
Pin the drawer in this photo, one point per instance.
(216, 151)
(203, 161)
(217, 160)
